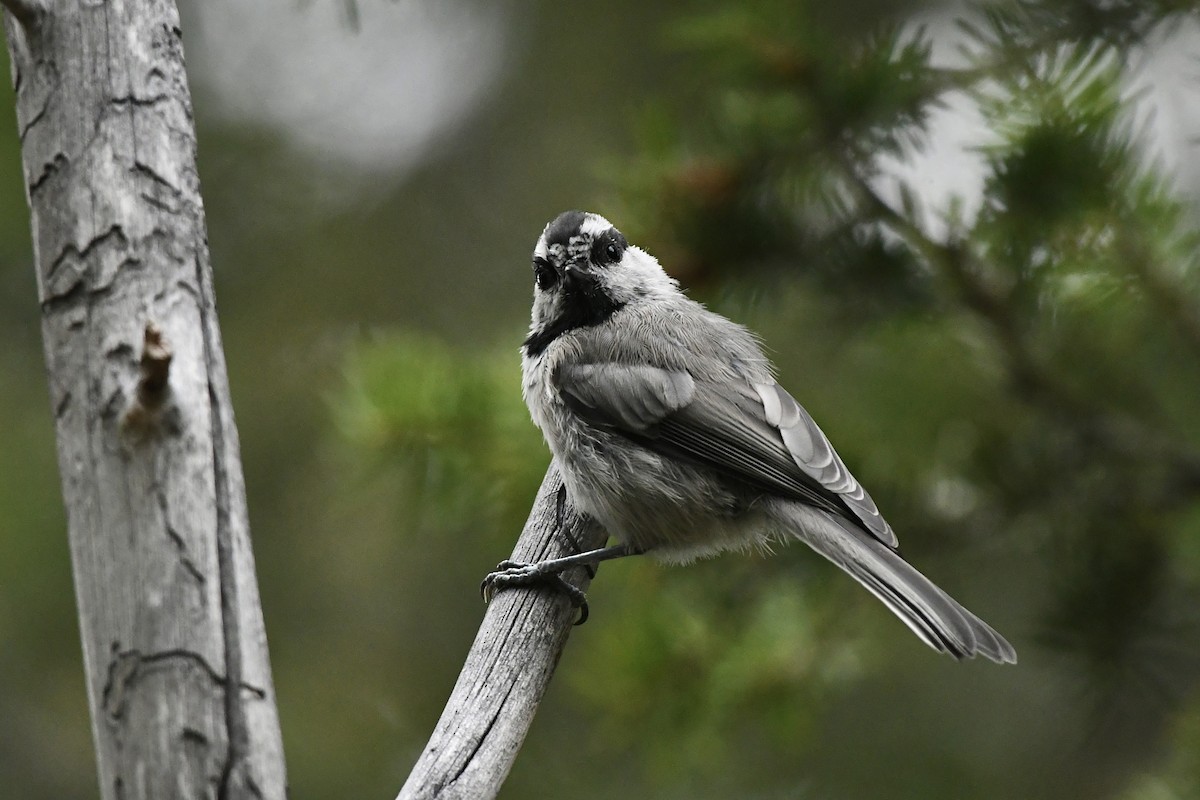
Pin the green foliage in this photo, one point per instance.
(1033, 25)
(455, 420)
(1017, 386)
(1026, 378)
(1075, 288)
(740, 647)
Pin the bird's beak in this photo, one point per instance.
(574, 273)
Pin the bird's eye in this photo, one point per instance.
(608, 249)
(544, 274)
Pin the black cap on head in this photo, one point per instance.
(564, 226)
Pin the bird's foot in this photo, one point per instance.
(518, 573)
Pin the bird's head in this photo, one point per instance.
(584, 271)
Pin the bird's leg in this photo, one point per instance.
(548, 572)
(560, 506)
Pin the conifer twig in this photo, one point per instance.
(1115, 430)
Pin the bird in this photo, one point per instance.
(670, 431)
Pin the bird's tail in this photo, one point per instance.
(936, 617)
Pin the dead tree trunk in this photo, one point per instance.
(178, 680)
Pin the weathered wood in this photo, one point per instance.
(509, 666)
(178, 679)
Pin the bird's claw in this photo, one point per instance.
(507, 573)
(518, 573)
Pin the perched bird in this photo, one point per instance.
(671, 432)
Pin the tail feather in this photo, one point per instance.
(934, 616)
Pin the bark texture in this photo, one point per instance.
(175, 653)
(509, 666)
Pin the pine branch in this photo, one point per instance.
(954, 262)
(1171, 298)
(1119, 432)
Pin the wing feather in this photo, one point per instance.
(631, 397)
(815, 455)
(755, 433)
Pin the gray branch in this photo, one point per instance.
(509, 666)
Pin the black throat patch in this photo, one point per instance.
(584, 306)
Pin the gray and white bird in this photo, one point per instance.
(671, 432)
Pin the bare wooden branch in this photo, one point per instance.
(509, 666)
(27, 12)
(178, 680)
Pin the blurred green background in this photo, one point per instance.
(971, 249)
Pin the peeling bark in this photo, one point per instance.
(174, 647)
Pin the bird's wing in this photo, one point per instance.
(755, 433)
(632, 399)
(813, 453)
